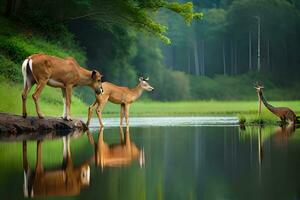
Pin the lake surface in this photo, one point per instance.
(156, 162)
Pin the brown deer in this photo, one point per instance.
(65, 181)
(118, 95)
(116, 155)
(64, 73)
(284, 113)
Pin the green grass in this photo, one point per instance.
(51, 105)
(50, 101)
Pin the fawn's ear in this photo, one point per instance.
(146, 79)
(141, 79)
(94, 72)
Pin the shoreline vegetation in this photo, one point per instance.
(51, 105)
(17, 42)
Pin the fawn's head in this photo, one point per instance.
(144, 84)
(97, 82)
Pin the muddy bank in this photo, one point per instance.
(15, 124)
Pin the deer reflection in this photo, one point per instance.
(281, 134)
(116, 155)
(67, 180)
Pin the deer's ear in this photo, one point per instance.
(141, 79)
(94, 72)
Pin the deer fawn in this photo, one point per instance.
(118, 95)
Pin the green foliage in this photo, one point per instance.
(51, 100)
(238, 87)
(16, 44)
(175, 86)
(10, 70)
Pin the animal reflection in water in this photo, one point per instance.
(116, 155)
(67, 180)
(281, 136)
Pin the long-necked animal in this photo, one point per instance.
(67, 180)
(285, 114)
(64, 73)
(118, 95)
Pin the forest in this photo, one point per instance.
(199, 50)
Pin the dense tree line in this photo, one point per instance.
(184, 58)
(239, 36)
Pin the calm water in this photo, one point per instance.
(178, 162)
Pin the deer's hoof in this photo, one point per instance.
(67, 118)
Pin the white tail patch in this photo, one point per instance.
(24, 70)
(24, 65)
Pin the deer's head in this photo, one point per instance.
(96, 82)
(144, 84)
(259, 87)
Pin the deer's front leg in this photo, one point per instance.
(127, 114)
(122, 111)
(68, 102)
(99, 114)
(90, 112)
(101, 104)
(64, 115)
(39, 165)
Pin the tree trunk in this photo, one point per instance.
(224, 57)
(189, 60)
(8, 8)
(268, 54)
(235, 58)
(196, 58)
(250, 52)
(258, 44)
(12, 7)
(203, 61)
(231, 57)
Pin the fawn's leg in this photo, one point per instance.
(90, 111)
(122, 112)
(127, 106)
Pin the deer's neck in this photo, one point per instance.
(268, 106)
(85, 77)
(137, 92)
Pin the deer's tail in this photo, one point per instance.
(26, 67)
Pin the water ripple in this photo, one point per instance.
(169, 121)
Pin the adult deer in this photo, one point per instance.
(284, 113)
(66, 180)
(116, 155)
(118, 95)
(64, 73)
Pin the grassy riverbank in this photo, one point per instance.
(51, 105)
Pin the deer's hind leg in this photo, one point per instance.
(36, 95)
(101, 104)
(27, 87)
